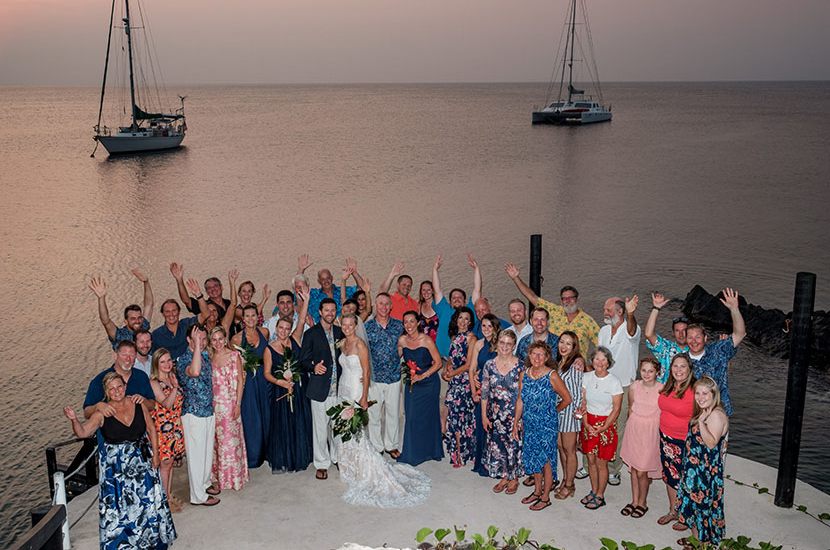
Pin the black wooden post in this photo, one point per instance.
(800, 342)
(535, 280)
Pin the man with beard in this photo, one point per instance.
(663, 348)
(213, 289)
(328, 290)
(134, 318)
(518, 317)
(143, 345)
(567, 316)
(624, 344)
(539, 321)
(285, 309)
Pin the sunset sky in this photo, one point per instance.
(62, 42)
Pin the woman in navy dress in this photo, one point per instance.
(542, 395)
(289, 441)
(256, 410)
(484, 350)
(422, 428)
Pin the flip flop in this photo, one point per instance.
(528, 482)
(666, 519)
(322, 474)
(512, 487)
(211, 501)
(679, 526)
(500, 486)
(639, 511)
(394, 454)
(628, 510)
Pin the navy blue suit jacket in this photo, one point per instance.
(315, 349)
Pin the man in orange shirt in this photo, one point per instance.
(401, 300)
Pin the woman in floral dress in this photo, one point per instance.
(427, 318)
(230, 463)
(459, 438)
(499, 393)
(167, 417)
(700, 493)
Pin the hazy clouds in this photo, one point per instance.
(287, 41)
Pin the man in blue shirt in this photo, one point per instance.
(445, 308)
(539, 320)
(172, 335)
(194, 373)
(712, 359)
(663, 348)
(382, 333)
(134, 319)
(138, 384)
(327, 287)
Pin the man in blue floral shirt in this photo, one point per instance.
(327, 287)
(712, 359)
(194, 374)
(663, 348)
(382, 333)
(539, 320)
(134, 317)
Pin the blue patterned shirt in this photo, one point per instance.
(521, 350)
(715, 363)
(383, 346)
(317, 296)
(663, 351)
(126, 333)
(198, 391)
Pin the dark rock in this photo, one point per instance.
(764, 327)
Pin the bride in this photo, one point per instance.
(371, 480)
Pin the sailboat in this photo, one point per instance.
(572, 105)
(146, 131)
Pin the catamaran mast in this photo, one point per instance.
(571, 59)
(130, 55)
(106, 66)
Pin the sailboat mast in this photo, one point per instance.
(571, 59)
(130, 55)
(106, 66)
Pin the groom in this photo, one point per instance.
(319, 358)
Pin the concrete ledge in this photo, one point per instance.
(297, 511)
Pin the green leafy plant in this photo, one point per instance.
(478, 541)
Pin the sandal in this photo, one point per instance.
(211, 501)
(685, 543)
(540, 505)
(528, 482)
(639, 511)
(532, 497)
(322, 474)
(213, 491)
(499, 487)
(628, 510)
(678, 526)
(565, 491)
(666, 519)
(587, 498)
(596, 502)
(512, 487)
(394, 454)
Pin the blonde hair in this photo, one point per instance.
(109, 377)
(709, 383)
(154, 366)
(214, 330)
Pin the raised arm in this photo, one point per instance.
(658, 302)
(344, 279)
(194, 369)
(177, 270)
(513, 272)
(476, 277)
(437, 293)
(303, 263)
(397, 269)
(148, 293)
(630, 308)
(352, 263)
(99, 288)
(297, 335)
(230, 314)
(730, 300)
(266, 295)
(84, 429)
(193, 286)
(367, 288)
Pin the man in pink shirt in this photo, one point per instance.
(401, 300)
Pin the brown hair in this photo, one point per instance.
(673, 388)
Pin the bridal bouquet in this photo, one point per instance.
(288, 371)
(408, 371)
(250, 362)
(348, 419)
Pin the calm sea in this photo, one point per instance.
(720, 184)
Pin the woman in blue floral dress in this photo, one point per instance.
(499, 392)
(459, 438)
(542, 395)
(700, 493)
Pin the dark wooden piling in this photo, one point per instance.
(535, 280)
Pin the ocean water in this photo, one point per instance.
(719, 184)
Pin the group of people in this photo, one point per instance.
(234, 386)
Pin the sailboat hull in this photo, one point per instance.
(136, 144)
(565, 118)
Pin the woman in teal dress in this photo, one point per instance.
(422, 429)
(700, 493)
(542, 395)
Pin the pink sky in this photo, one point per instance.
(308, 41)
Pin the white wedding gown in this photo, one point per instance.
(372, 480)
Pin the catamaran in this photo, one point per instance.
(146, 131)
(575, 107)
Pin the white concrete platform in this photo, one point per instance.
(296, 511)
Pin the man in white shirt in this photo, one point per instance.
(518, 318)
(143, 344)
(624, 344)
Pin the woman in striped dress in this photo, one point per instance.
(570, 366)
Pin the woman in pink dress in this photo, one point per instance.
(641, 442)
(230, 463)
